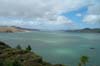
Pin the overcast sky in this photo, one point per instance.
(50, 14)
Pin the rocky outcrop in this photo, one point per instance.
(3, 45)
(25, 58)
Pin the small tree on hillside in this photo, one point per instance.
(84, 60)
(29, 48)
(18, 47)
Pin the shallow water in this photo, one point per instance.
(58, 47)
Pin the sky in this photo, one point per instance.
(50, 14)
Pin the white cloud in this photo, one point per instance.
(56, 20)
(45, 11)
(59, 22)
(93, 14)
(92, 19)
(79, 14)
(37, 8)
(94, 7)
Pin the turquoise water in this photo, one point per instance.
(58, 47)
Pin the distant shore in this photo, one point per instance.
(85, 30)
(12, 30)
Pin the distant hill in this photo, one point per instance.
(12, 29)
(87, 30)
(26, 28)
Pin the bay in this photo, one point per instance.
(58, 47)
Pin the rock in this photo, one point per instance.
(92, 48)
(3, 45)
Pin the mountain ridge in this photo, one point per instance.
(86, 30)
(12, 29)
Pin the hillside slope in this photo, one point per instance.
(19, 57)
(11, 29)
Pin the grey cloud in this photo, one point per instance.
(36, 8)
(22, 8)
(93, 14)
(94, 9)
(47, 11)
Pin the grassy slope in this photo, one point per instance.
(24, 57)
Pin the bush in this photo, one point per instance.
(28, 48)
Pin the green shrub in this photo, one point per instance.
(28, 48)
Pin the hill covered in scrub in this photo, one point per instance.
(86, 30)
(19, 57)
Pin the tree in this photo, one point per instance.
(84, 60)
(29, 48)
(18, 47)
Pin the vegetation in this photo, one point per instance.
(18, 47)
(79, 64)
(20, 57)
(86, 30)
(16, 63)
(1, 63)
(83, 61)
(28, 48)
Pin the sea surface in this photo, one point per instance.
(58, 47)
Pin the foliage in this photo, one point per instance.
(7, 62)
(79, 64)
(1, 63)
(16, 63)
(28, 48)
(18, 47)
(84, 60)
